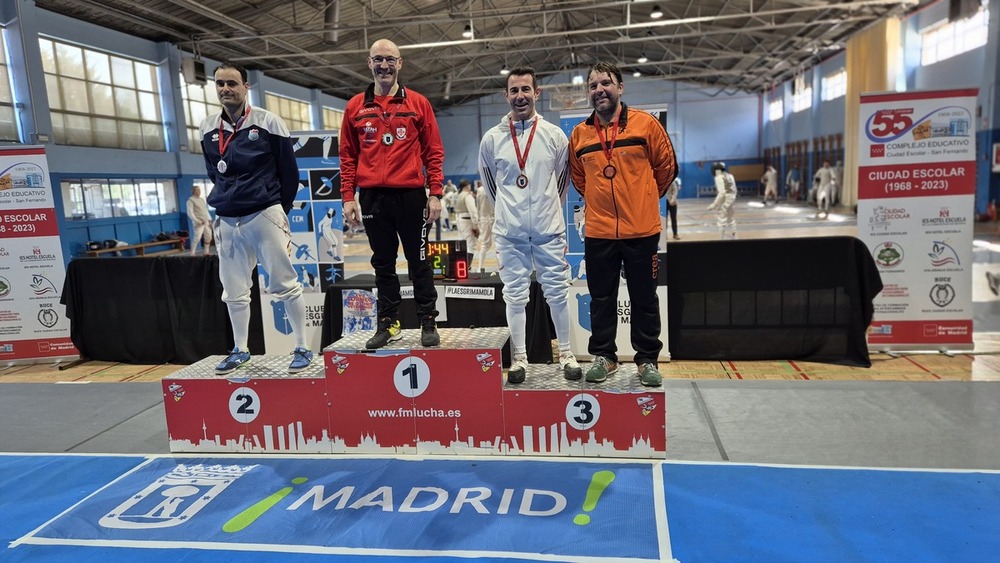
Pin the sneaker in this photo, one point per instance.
(677, 237)
(301, 358)
(600, 369)
(233, 361)
(649, 375)
(386, 333)
(429, 334)
(518, 369)
(571, 369)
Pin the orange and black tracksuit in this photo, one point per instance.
(622, 225)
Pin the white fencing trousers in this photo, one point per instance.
(465, 226)
(547, 257)
(243, 241)
(485, 240)
(200, 230)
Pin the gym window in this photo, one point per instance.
(295, 113)
(948, 39)
(103, 198)
(332, 119)
(8, 121)
(101, 100)
(775, 110)
(200, 99)
(835, 85)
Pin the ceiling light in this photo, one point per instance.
(467, 32)
(656, 13)
(577, 79)
(642, 58)
(637, 74)
(504, 71)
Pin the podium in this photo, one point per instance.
(450, 399)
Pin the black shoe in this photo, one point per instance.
(429, 334)
(385, 334)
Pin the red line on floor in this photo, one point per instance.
(909, 359)
(735, 371)
(798, 370)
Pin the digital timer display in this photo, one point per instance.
(448, 259)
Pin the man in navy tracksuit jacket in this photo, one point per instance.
(251, 161)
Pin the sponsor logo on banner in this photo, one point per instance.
(942, 255)
(942, 294)
(945, 219)
(888, 254)
(877, 151)
(37, 256)
(5, 288)
(41, 286)
(47, 317)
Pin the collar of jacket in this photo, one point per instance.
(622, 118)
(370, 94)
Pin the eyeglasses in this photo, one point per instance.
(391, 61)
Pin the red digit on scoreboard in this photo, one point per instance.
(461, 270)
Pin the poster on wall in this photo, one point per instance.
(317, 225)
(33, 324)
(916, 190)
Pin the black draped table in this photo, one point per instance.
(152, 310)
(770, 299)
(767, 299)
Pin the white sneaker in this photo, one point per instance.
(571, 369)
(518, 369)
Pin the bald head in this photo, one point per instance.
(385, 63)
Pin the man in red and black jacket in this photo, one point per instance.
(390, 150)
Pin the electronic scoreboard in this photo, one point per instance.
(448, 259)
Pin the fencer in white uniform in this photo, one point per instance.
(824, 189)
(524, 165)
(468, 217)
(770, 181)
(484, 205)
(725, 201)
(201, 221)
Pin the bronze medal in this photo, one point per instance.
(610, 171)
(521, 181)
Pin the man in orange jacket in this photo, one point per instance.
(622, 162)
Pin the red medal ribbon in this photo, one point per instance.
(522, 159)
(222, 132)
(387, 121)
(605, 146)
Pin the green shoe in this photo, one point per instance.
(649, 375)
(601, 369)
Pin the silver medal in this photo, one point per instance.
(221, 167)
